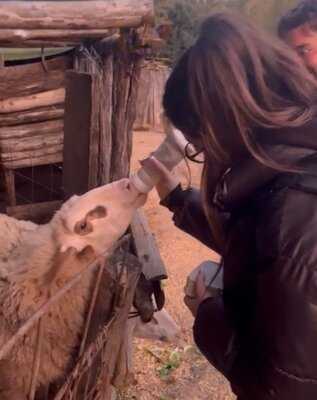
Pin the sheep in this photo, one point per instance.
(36, 261)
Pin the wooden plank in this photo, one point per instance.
(32, 144)
(97, 115)
(41, 114)
(94, 132)
(18, 36)
(35, 212)
(143, 100)
(30, 130)
(30, 84)
(13, 147)
(77, 133)
(2, 176)
(29, 44)
(146, 248)
(75, 15)
(102, 109)
(32, 101)
(10, 187)
(149, 101)
(31, 158)
(126, 77)
(106, 109)
(25, 79)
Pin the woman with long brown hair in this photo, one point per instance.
(248, 104)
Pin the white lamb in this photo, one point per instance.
(36, 261)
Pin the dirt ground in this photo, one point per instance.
(173, 371)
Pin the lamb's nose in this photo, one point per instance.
(126, 185)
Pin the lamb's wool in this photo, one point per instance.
(27, 255)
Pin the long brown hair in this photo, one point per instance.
(232, 82)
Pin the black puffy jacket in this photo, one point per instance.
(270, 267)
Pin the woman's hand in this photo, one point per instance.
(201, 294)
(167, 182)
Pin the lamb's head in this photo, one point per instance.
(98, 218)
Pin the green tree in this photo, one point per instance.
(184, 20)
(186, 16)
(266, 13)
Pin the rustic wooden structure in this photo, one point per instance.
(34, 23)
(31, 123)
(65, 127)
(32, 97)
(150, 92)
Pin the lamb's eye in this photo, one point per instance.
(83, 226)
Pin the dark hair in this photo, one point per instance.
(304, 13)
(231, 82)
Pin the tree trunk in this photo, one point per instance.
(75, 15)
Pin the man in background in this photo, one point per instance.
(298, 28)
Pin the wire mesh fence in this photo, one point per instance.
(38, 184)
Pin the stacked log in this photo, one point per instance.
(150, 93)
(31, 113)
(54, 23)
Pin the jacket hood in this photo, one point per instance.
(288, 147)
